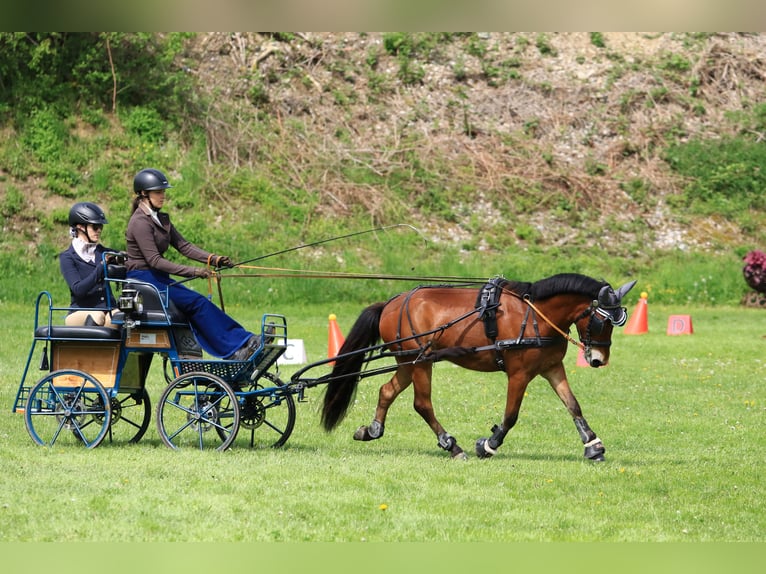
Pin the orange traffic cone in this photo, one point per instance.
(637, 323)
(334, 338)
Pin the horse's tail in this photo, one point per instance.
(346, 373)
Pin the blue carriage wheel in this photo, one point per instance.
(68, 407)
(198, 410)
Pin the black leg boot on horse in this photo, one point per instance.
(594, 448)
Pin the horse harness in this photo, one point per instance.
(487, 303)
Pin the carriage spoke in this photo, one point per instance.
(192, 410)
(67, 406)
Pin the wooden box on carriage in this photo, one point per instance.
(143, 338)
(97, 359)
(101, 361)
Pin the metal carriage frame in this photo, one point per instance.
(94, 386)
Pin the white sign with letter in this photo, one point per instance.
(295, 353)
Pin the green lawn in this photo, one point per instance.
(682, 419)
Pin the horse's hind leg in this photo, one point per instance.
(594, 448)
(386, 396)
(425, 408)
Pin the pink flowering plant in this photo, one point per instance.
(755, 270)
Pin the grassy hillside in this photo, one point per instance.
(623, 155)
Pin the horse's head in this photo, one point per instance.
(595, 324)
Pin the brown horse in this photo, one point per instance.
(516, 327)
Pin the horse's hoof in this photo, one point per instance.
(460, 456)
(363, 433)
(595, 452)
(483, 449)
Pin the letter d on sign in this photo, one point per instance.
(680, 325)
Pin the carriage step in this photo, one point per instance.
(20, 406)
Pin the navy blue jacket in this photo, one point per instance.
(86, 280)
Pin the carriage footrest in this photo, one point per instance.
(228, 370)
(233, 371)
(266, 359)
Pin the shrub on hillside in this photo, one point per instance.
(755, 270)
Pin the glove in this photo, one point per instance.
(223, 261)
(115, 258)
(202, 272)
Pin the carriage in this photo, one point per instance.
(94, 386)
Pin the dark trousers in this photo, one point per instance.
(217, 333)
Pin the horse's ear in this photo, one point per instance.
(622, 291)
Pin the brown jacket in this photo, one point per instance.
(147, 242)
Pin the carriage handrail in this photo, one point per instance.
(52, 309)
(162, 294)
(32, 349)
(37, 309)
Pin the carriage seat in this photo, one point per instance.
(154, 311)
(92, 332)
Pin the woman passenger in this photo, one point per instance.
(83, 270)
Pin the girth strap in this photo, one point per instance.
(487, 303)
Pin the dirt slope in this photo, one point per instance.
(580, 114)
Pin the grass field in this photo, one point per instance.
(682, 419)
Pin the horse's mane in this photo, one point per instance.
(556, 285)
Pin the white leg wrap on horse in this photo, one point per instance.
(488, 449)
(591, 443)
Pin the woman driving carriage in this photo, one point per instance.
(81, 266)
(149, 235)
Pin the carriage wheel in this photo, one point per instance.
(198, 410)
(131, 415)
(269, 411)
(68, 407)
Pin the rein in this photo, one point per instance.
(308, 274)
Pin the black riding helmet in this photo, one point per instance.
(150, 180)
(86, 213)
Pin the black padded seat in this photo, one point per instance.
(78, 332)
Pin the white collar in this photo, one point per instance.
(86, 251)
(149, 211)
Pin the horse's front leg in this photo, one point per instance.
(386, 396)
(594, 448)
(517, 384)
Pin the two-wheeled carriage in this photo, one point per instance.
(94, 386)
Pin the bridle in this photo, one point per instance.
(599, 317)
(599, 314)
